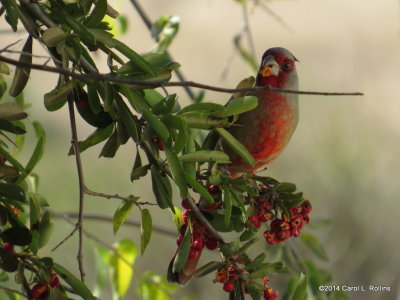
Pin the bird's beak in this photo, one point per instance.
(269, 67)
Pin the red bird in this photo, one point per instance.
(266, 130)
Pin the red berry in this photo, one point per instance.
(185, 204)
(160, 144)
(183, 228)
(54, 281)
(306, 207)
(229, 286)
(9, 247)
(16, 211)
(40, 291)
(194, 253)
(198, 244)
(269, 295)
(3, 160)
(179, 240)
(211, 244)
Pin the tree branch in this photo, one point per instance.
(112, 78)
(105, 218)
(75, 146)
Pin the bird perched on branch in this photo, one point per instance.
(266, 130)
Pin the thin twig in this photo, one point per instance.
(65, 239)
(275, 16)
(4, 288)
(148, 24)
(133, 199)
(67, 218)
(200, 217)
(108, 219)
(130, 81)
(75, 146)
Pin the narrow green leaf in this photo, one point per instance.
(102, 259)
(10, 127)
(145, 230)
(177, 172)
(314, 245)
(21, 75)
(301, 288)
(120, 215)
(111, 146)
(8, 261)
(236, 146)
(161, 188)
(255, 263)
(36, 156)
(285, 187)
(46, 229)
(227, 199)
(129, 121)
(198, 187)
(12, 191)
(204, 156)
(123, 265)
(97, 14)
(56, 98)
(134, 57)
(11, 15)
(78, 286)
(93, 98)
(12, 111)
(202, 106)
(20, 236)
(158, 126)
(183, 253)
(96, 137)
(266, 269)
(237, 106)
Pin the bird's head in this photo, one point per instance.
(278, 69)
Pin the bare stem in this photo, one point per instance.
(108, 219)
(133, 199)
(112, 78)
(74, 142)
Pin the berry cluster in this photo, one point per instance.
(232, 272)
(200, 236)
(41, 291)
(285, 227)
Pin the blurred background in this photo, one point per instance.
(344, 155)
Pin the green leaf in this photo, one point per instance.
(236, 146)
(237, 106)
(183, 253)
(78, 286)
(36, 156)
(11, 160)
(177, 172)
(111, 146)
(102, 259)
(12, 111)
(121, 214)
(8, 261)
(97, 14)
(301, 288)
(53, 36)
(57, 98)
(134, 57)
(202, 120)
(145, 230)
(227, 199)
(314, 245)
(202, 106)
(253, 265)
(208, 268)
(10, 127)
(96, 137)
(4, 69)
(12, 191)
(21, 75)
(138, 170)
(198, 187)
(161, 188)
(93, 98)
(46, 229)
(164, 31)
(160, 129)
(167, 105)
(266, 269)
(123, 265)
(11, 14)
(285, 187)
(129, 120)
(20, 236)
(204, 156)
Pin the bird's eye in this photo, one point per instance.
(287, 65)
